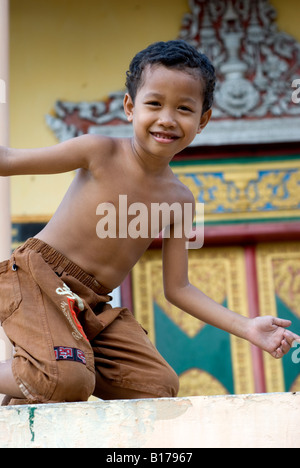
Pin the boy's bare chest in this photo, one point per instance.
(126, 205)
(124, 188)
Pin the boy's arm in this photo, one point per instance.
(187, 297)
(64, 157)
(268, 333)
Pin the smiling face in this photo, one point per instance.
(167, 112)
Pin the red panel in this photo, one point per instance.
(252, 233)
(253, 302)
(126, 293)
(211, 153)
(245, 234)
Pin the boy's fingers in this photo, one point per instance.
(291, 337)
(285, 346)
(281, 322)
(278, 354)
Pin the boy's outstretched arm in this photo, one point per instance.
(268, 333)
(64, 157)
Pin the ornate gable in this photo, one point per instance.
(256, 67)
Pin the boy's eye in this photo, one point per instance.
(185, 109)
(153, 103)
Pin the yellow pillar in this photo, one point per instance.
(5, 219)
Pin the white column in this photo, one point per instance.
(5, 219)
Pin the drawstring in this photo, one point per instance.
(15, 266)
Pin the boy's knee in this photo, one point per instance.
(170, 381)
(66, 382)
(75, 383)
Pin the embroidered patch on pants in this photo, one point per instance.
(63, 353)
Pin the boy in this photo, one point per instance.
(69, 343)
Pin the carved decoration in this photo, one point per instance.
(256, 66)
(195, 382)
(278, 267)
(200, 274)
(78, 118)
(249, 191)
(286, 272)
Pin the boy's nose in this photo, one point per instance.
(167, 119)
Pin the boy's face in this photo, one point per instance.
(167, 112)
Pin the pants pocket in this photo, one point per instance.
(10, 290)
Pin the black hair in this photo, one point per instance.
(176, 54)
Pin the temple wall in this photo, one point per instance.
(80, 52)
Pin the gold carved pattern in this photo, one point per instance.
(143, 296)
(196, 382)
(286, 273)
(210, 276)
(296, 385)
(278, 267)
(261, 190)
(219, 273)
(281, 188)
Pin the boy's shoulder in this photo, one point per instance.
(97, 142)
(99, 149)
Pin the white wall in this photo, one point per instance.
(250, 421)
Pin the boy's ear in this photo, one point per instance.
(128, 107)
(204, 120)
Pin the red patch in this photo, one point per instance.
(75, 312)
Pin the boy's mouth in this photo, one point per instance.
(164, 137)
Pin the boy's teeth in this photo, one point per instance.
(158, 135)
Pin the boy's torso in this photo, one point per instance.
(104, 222)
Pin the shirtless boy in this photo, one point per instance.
(69, 343)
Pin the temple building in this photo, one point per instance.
(67, 72)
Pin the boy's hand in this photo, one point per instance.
(270, 334)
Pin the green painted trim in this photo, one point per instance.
(236, 160)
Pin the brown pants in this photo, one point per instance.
(69, 342)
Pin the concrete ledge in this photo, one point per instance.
(267, 420)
